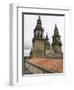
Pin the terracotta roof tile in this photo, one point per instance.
(53, 65)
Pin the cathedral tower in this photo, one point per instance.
(56, 41)
(38, 40)
(41, 46)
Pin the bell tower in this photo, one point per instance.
(56, 41)
(38, 31)
(47, 44)
(38, 40)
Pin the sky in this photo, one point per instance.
(48, 23)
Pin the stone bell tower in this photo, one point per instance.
(38, 40)
(56, 41)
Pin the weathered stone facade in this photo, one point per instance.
(41, 46)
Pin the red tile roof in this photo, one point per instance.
(52, 65)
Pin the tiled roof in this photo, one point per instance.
(52, 65)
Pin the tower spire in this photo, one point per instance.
(56, 28)
(39, 16)
(56, 32)
(39, 20)
(56, 40)
(38, 31)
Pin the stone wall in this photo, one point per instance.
(38, 48)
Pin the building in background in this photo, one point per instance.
(41, 46)
(44, 57)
